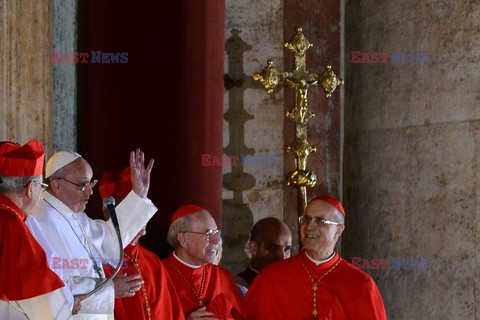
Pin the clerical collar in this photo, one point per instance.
(318, 262)
(56, 203)
(183, 262)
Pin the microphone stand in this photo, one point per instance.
(109, 203)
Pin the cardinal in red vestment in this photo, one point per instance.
(28, 288)
(317, 283)
(205, 290)
(143, 289)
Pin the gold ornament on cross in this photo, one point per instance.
(300, 79)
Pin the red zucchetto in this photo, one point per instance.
(331, 200)
(116, 184)
(21, 161)
(185, 210)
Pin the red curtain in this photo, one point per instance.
(167, 99)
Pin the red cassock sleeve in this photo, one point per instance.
(24, 271)
(160, 293)
(356, 292)
(225, 302)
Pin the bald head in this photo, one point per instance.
(319, 238)
(270, 241)
(268, 226)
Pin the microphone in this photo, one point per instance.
(109, 203)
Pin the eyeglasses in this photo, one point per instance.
(84, 186)
(43, 185)
(210, 235)
(318, 221)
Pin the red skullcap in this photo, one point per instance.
(331, 200)
(21, 161)
(116, 184)
(185, 210)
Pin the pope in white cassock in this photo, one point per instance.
(77, 245)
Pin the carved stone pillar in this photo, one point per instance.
(26, 85)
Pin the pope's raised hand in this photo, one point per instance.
(140, 174)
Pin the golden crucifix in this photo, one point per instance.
(300, 79)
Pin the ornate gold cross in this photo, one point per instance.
(301, 80)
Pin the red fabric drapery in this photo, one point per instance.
(167, 99)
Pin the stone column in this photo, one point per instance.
(65, 75)
(38, 98)
(412, 154)
(26, 72)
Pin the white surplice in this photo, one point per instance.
(78, 241)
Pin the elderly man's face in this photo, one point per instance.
(78, 172)
(36, 189)
(276, 245)
(319, 240)
(198, 249)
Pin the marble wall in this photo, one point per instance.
(412, 150)
(253, 123)
(65, 26)
(26, 82)
(38, 97)
(254, 120)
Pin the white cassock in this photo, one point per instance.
(79, 243)
(38, 308)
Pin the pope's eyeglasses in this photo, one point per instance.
(318, 221)
(210, 235)
(83, 186)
